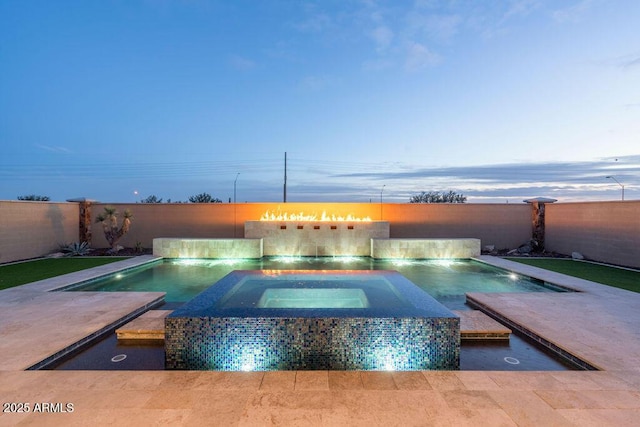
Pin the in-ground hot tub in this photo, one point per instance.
(308, 320)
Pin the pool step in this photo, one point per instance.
(149, 326)
(475, 325)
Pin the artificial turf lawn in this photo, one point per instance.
(31, 271)
(612, 276)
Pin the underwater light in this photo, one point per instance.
(188, 262)
(118, 276)
(513, 276)
(346, 259)
(248, 366)
(230, 261)
(389, 358)
(443, 262)
(287, 259)
(401, 262)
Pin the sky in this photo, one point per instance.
(118, 100)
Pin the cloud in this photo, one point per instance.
(567, 172)
(519, 8)
(630, 61)
(56, 149)
(419, 57)
(242, 64)
(436, 27)
(314, 83)
(315, 23)
(573, 13)
(383, 36)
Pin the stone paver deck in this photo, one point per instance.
(600, 323)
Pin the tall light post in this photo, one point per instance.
(235, 182)
(622, 186)
(381, 190)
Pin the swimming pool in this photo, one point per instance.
(445, 280)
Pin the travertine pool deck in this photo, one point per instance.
(600, 324)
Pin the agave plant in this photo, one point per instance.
(76, 249)
(109, 220)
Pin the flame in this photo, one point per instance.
(301, 216)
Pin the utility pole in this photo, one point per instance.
(381, 190)
(235, 182)
(285, 177)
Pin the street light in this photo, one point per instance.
(381, 190)
(613, 178)
(234, 187)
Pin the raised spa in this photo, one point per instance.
(309, 320)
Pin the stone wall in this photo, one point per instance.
(33, 229)
(317, 238)
(602, 231)
(207, 248)
(424, 248)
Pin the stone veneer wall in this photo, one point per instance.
(207, 248)
(33, 229)
(424, 248)
(317, 238)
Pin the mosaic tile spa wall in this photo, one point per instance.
(310, 320)
(261, 344)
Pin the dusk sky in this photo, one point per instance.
(116, 100)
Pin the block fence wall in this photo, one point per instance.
(502, 225)
(602, 231)
(33, 229)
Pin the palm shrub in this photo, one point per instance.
(109, 220)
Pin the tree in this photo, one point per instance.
(151, 199)
(109, 220)
(34, 198)
(204, 198)
(437, 197)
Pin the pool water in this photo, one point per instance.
(445, 280)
